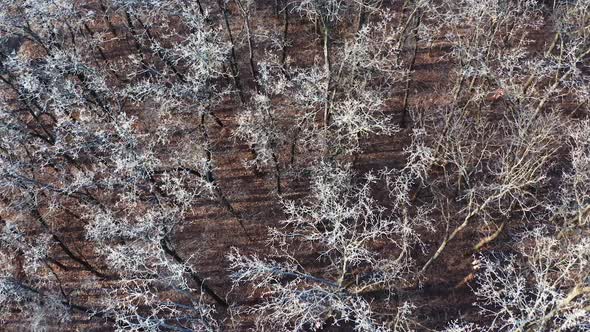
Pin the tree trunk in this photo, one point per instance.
(328, 73)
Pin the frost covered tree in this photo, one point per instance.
(544, 287)
(494, 183)
(71, 148)
(365, 72)
(342, 222)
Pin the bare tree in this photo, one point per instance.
(544, 287)
(341, 221)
